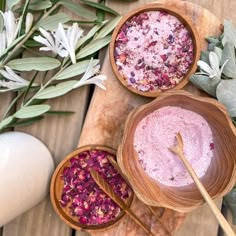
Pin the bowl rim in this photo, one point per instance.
(133, 115)
(54, 200)
(180, 16)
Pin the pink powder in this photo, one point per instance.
(153, 51)
(156, 132)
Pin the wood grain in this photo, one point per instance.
(60, 134)
(105, 120)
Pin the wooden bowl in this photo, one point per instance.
(220, 176)
(182, 18)
(57, 187)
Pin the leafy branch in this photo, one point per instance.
(50, 33)
(217, 68)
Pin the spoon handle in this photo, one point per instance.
(222, 221)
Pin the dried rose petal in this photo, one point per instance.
(152, 43)
(81, 194)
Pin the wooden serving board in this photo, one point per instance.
(109, 109)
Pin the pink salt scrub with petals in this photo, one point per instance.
(153, 51)
(156, 132)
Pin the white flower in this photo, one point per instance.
(11, 26)
(51, 43)
(3, 42)
(28, 22)
(69, 38)
(88, 79)
(12, 80)
(213, 70)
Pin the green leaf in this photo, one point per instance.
(90, 34)
(229, 33)
(34, 63)
(38, 101)
(205, 57)
(60, 112)
(212, 40)
(229, 53)
(6, 122)
(1, 23)
(31, 111)
(2, 5)
(100, 6)
(205, 83)
(40, 5)
(56, 91)
(26, 122)
(14, 43)
(107, 29)
(51, 22)
(78, 9)
(11, 3)
(226, 94)
(218, 51)
(75, 69)
(101, 14)
(93, 47)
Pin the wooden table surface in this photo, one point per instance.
(61, 135)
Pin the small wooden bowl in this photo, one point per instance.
(220, 176)
(181, 17)
(57, 186)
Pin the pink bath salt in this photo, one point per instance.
(156, 133)
(153, 51)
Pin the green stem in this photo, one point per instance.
(12, 104)
(34, 28)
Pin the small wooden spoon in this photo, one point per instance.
(178, 149)
(108, 190)
(115, 165)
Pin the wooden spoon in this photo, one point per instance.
(115, 165)
(178, 149)
(109, 191)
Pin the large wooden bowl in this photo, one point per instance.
(187, 22)
(220, 176)
(57, 187)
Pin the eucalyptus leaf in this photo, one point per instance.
(11, 3)
(205, 57)
(93, 47)
(75, 69)
(205, 83)
(107, 29)
(218, 51)
(51, 22)
(6, 122)
(90, 34)
(226, 94)
(34, 63)
(100, 6)
(40, 5)
(229, 33)
(31, 111)
(56, 91)
(25, 122)
(229, 54)
(78, 9)
(1, 23)
(212, 40)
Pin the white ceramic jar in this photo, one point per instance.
(26, 167)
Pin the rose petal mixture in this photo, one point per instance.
(82, 195)
(153, 51)
(156, 133)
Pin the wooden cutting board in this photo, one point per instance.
(109, 109)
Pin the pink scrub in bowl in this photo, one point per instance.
(156, 132)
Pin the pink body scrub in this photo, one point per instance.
(85, 200)
(156, 132)
(153, 51)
